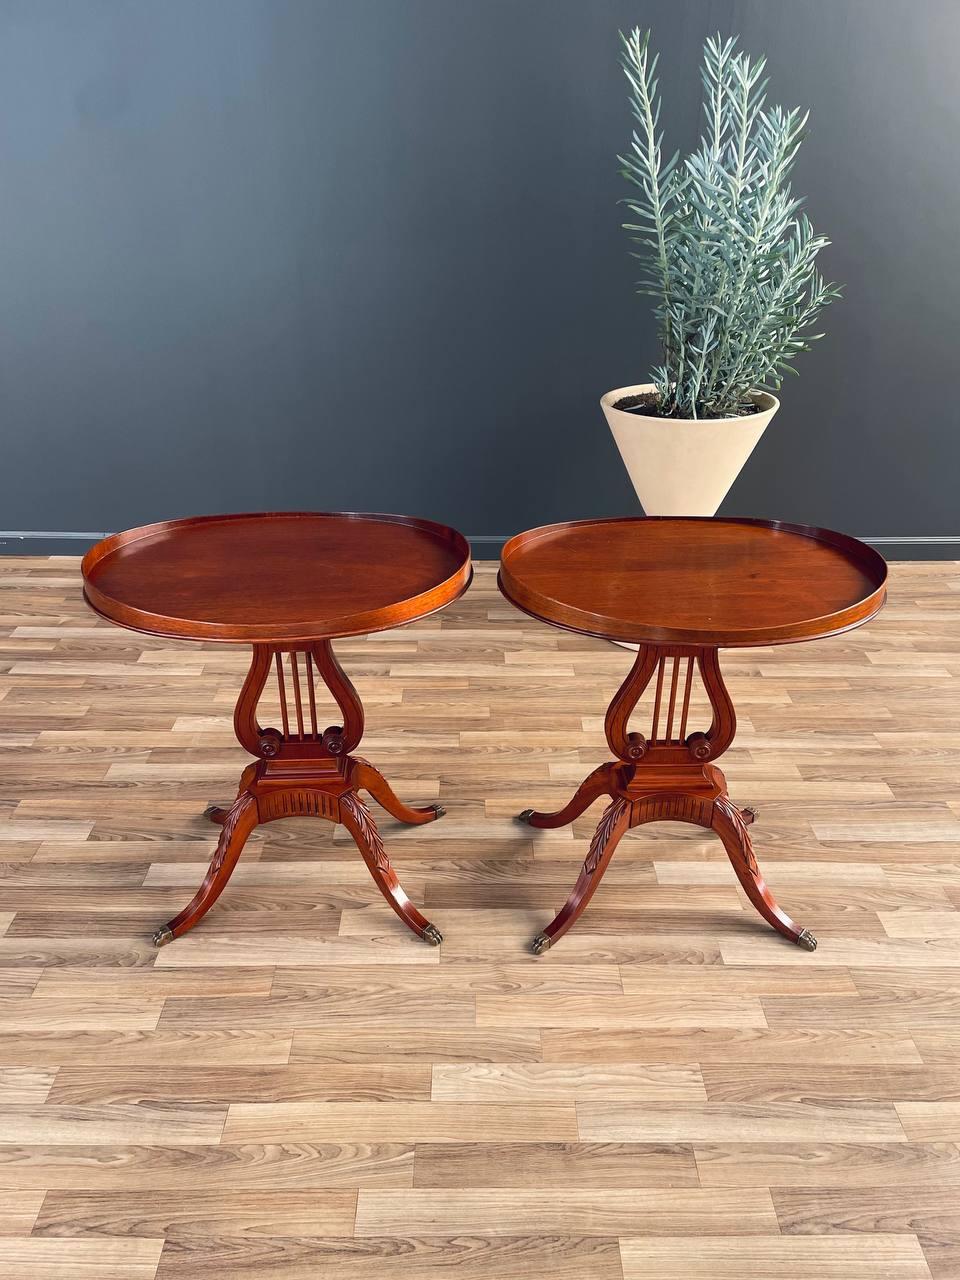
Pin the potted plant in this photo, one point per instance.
(731, 261)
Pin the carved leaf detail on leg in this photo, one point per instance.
(601, 837)
(368, 828)
(730, 811)
(229, 826)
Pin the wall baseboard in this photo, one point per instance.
(39, 542)
(485, 546)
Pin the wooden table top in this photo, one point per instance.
(693, 580)
(276, 577)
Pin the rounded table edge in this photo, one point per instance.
(570, 618)
(412, 609)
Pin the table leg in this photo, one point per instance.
(302, 771)
(730, 824)
(602, 782)
(364, 777)
(666, 776)
(238, 821)
(613, 824)
(356, 817)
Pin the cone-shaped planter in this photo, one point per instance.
(683, 466)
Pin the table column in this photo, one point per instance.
(304, 771)
(668, 775)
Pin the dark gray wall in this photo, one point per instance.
(366, 253)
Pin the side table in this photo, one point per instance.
(682, 588)
(287, 583)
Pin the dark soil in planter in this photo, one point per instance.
(648, 404)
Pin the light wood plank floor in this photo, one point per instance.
(302, 1089)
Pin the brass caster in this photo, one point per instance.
(525, 816)
(438, 810)
(807, 941)
(162, 937)
(432, 935)
(540, 944)
(749, 815)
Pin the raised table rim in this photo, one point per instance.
(572, 618)
(365, 622)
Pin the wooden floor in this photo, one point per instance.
(300, 1088)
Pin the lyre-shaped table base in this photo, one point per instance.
(668, 776)
(303, 771)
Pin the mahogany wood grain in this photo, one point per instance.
(682, 588)
(287, 582)
(272, 577)
(692, 580)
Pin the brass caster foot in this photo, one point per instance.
(525, 816)
(438, 810)
(749, 815)
(540, 944)
(432, 935)
(807, 941)
(162, 937)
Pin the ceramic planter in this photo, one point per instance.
(683, 466)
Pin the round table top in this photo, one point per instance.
(693, 581)
(276, 577)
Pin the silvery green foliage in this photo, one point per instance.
(726, 251)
